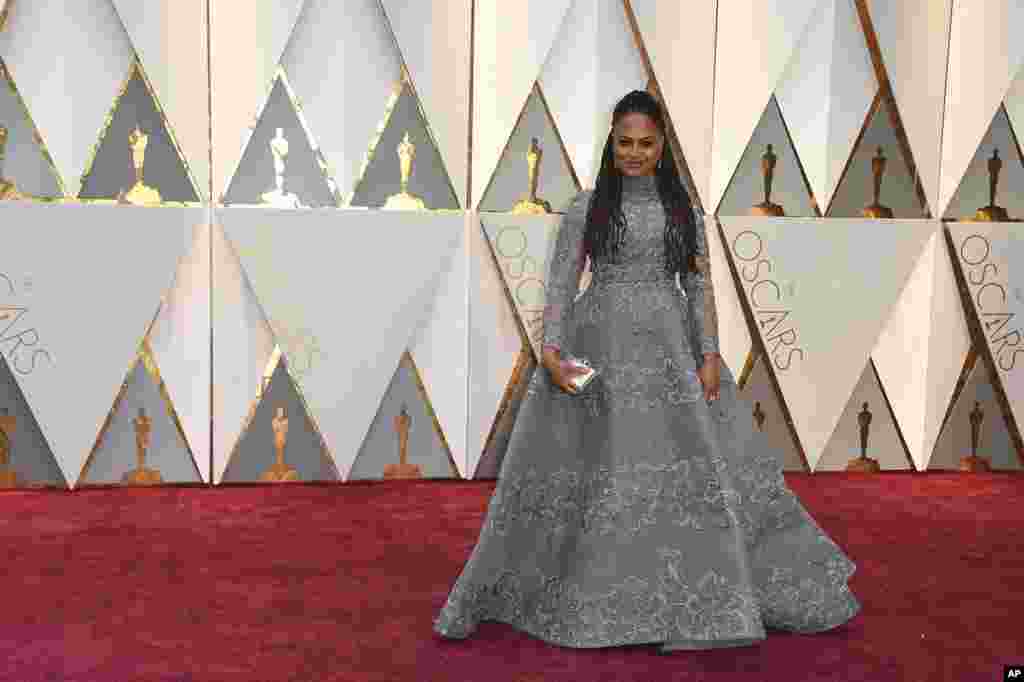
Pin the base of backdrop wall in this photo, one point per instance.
(342, 582)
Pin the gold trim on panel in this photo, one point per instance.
(970, 360)
(389, 108)
(514, 382)
(872, 110)
(980, 345)
(422, 388)
(886, 93)
(892, 414)
(748, 369)
(327, 169)
(758, 348)
(799, 161)
(133, 69)
(37, 137)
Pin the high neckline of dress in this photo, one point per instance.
(639, 185)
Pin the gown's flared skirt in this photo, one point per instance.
(639, 513)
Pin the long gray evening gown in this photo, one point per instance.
(637, 512)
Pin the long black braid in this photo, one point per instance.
(606, 225)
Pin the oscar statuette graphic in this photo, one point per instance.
(277, 197)
(876, 209)
(403, 469)
(759, 416)
(8, 190)
(141, 474)
(279, 471)
(8, 479)
(404, 201)
(992, 213)
(140, 194)
(864, 463)
(973, 462)
(530, 204)
(766, 207)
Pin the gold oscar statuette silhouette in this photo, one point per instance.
(992, 213)
(876, 209)
(759, 416)
(973, 462)
(404, 201)
(140, 194)
(8, 190)
(8, 479)
(141, 474)
(279, 471)
(277, 197)
(403, 469)
(864, 463)
(766, 207)
(530, 204)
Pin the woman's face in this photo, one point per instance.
(638, 144)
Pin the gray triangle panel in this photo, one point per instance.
(115, 454)
(768, 416)
(429, 179)
(112, 171)
(29, 455)
(26, 162)
(304, 174)
(304, 448)
(788, 186)
(973, 191)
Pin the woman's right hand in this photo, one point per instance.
(562, 372)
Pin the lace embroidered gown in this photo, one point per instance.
(636, 512)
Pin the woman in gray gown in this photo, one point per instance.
(644, 508)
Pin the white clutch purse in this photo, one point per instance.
(581, 381)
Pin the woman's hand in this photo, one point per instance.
(562, 372)
(710, 376)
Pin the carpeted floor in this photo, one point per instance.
(304, 582)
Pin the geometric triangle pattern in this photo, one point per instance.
(256, 453)
(789, 188)
(979, 396)
(556, 183)
(998, 150)
(74, 314)
(286, 256)
(403, 441)
(302, 168)
(493, 454)
(802, 285)
(882, 441)
(989, 256)
(28, 454)
(769, 416)
(117, 452)
(24, 159)
(118, 162)
(382, 176)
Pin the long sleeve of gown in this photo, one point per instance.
(700, 296)
(564, 270)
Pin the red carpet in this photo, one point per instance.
(342, 583)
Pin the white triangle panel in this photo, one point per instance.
(344, 66)
(818, 307)
(434, 38)
(921, 350)
(242, 347)
(689, 99)
(594, 62)
(523, 246)
(989, 255)
(913, 37)
(494, 344)
(985, 54)
(247, 38)
(734, 343)
(440, 347)
(170, 39)
(180, 342)
(362, 316)
(1014, 104)
(61, 52)
(511, 44)
(764, 34)
(80, 288)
